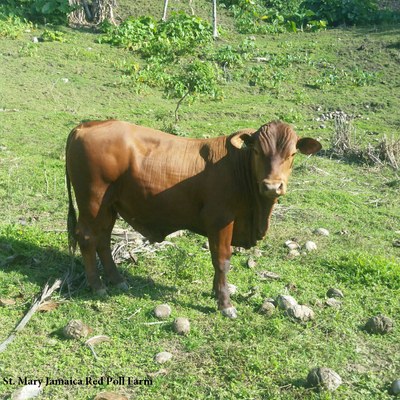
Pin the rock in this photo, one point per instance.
(290, 244)
(251, 262)
(162, 311)
(232, 289)
(310, 246)
(268, 275)
(257, 253)
(35, 39)
(110, 396)
(65, 80)
(395, 387)
(293, 253)
(379, 324)
(181, 326)
(267, 308)
(26, 392)
(332, 302)
(324, 379)
(396, 243)
(6, 302)
(332, 292)
(76, 329)
(284, 301)
(300, 313)
(162, 357)
(321, 232)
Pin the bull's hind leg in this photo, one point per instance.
(87, 238)
(103, 248)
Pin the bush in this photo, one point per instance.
(53, 11)
(350, 12)
(12, 26)
(180, 34)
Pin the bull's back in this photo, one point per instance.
(156, 181)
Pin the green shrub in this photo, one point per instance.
(53, 11)
(197, 78)
(350, 12)
(13, 26)
(180, 34)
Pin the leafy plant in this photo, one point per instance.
(180, 34)
(338, 12)
(13, 26)
(52, 36)
(196, 79)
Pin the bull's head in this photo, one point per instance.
(273, 148)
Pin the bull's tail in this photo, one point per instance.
(71, 219)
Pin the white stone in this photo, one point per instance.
(285, 301)
(321, 232)
(310, 246)
(26, 392)
(290, 244)
(162, 357)
(300, 313)
(162, 311)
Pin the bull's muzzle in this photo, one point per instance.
(272, 188)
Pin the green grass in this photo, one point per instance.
(253, 356)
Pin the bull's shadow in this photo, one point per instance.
(40, 264)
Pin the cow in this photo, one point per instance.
(224, 188)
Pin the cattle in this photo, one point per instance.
(224, 188)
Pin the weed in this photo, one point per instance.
(12, 26)
(52, 36)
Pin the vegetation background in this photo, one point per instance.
(327, 67)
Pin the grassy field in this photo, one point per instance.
(47, 88)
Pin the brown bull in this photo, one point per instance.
(224, 188)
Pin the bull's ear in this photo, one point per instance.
(308, 145)
(242, 139)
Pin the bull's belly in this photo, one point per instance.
(155, 222)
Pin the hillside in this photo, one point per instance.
(319, 81)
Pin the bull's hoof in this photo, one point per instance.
(229, 312)
(122, 286)
(101, 292)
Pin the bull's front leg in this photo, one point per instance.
(220, 248)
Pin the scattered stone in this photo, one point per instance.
(395, 387)
(65, 80)
(76, 329)
(268, 275)
(324, 379)
(284, 301)
(257, 253)
(321, 232)
(293, 253)
(162, 357)
(300, 313)
(110, 396)
(396, 243)
(251, 263)
(333, 292)
(379, 324)
(290, 244)
(181, 326)
(267, 308)
(35, 39)
(232, 289)
(332, 302)
(310, 246)
(206, 245)
(7, 302)
(162, 311)
(26, 392)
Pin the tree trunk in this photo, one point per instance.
(103, 10)
(78, 16)
(215, 29)
(164, 17)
